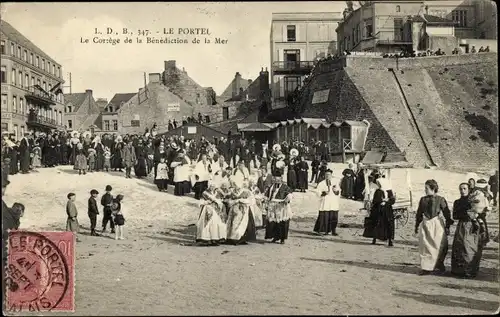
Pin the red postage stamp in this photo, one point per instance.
(40, 272)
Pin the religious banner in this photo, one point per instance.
(320, 96)
(174, 107)
(191, 130)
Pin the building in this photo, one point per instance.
(32, 98)
(102, 103)
(389, 26)
(80, 110)
(108, 120)
(297, 40)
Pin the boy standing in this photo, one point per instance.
(72, 212)
(107, 202)
(93, 211)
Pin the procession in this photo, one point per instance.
(301, 158)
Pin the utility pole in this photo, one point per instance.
(69, 83)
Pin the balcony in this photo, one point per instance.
(41, 122)
(38, 96)
(283, 68)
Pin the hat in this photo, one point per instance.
(94, 192)
(481, 183)
(119, 197)
(109, 188)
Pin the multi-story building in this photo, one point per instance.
(32, 98)
(109, 116)
(387, 26)
(297, 39)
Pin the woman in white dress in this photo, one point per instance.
(211, 227)
(240, 223)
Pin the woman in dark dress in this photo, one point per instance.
(291, 175)
(468, 241)
(359, 185)
(141, 166)
(348, 181)
(117, 156)
(302, 169)
(99, 162)
(13, 154)
(380, 224)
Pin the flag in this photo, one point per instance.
(55, 88)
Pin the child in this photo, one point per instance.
(322, 171)
(118, 218)
(72, 212)
(35, 161)
(162, 175)
(81, 162)
(18, 209)
(107, 159)
(93, 211)
(91, 160)
(315, 169)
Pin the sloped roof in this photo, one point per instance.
(76, 99)
(255, 126)
(228, 92)
(120, 98)
(98, 121)
(14, 35)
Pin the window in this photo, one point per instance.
(25, 56)
(37, 61)
(58, 71)
(3, 46)
(291, 83)
(13, 77)
(459, 16)
(207, 119)
(14, 104)
(26, 81)
(70, 124)
(43, 64)
(290, 33)
(48, 67)
(31, 58)
(225, 113)
(4, 74)
(60, 117)
(32, 81)
(21, 81)
(291, 57)
(12, 49)
(38, 82)
(45, 86)
(50, 87)
(398, 29)
(135, 123)
(21, 105)
(106, 125)
(16, 133)
(398, 9)
(5, 106)
(69, 109)
(115, 125)
(22, 130)
(19, 52)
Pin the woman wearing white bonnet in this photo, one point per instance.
(240, 226)
(211, 228)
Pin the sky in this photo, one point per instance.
(58, 29)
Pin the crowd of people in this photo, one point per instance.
(235, 203)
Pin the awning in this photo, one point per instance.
(255, 127)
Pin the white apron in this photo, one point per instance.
(432, 241)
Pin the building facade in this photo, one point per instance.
(80, 110)
(32, 98)
(386, 26)
(297, 40)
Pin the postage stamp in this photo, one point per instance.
(40, 273)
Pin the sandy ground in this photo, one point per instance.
(157, 271)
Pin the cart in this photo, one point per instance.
(403, 205)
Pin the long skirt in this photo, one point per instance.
(302, 181)
(433, 243)
(467, 249)
(291, 179)
(244, 231)
(141, 168)
(347, 187)
(326, 221)
(182, 188)
(199, 188)
(210, 227)
(277, 230)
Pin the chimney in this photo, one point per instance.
(88, 92)
(249, 81)
(236, 84)
(264, 86)
(170, 65)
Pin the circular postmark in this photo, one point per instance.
(37, 273)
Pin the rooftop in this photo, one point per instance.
(306, 16)
(14, 35)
